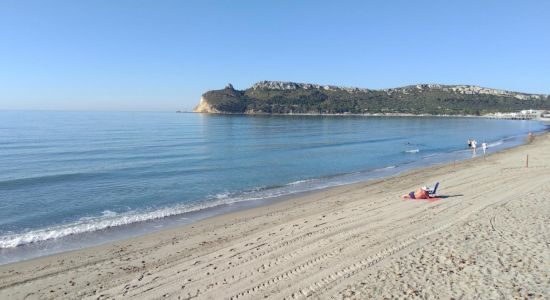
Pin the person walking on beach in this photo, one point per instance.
(474, 146)
(484, 147)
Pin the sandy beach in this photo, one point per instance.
(488, 238)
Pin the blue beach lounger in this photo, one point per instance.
(434, 190)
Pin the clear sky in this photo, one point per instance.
(162, 55)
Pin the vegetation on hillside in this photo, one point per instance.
(407, 100)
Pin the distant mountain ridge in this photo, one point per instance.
(279, 97)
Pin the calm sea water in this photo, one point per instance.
(69, 175)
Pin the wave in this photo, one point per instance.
(412, 151)
(111, 219)
(386, 168)
(300, 182)
(30, 181)
(108, 219)
(340, 144)
(494, 144)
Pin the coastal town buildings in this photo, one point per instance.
(528, 114)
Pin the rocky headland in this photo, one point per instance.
(278, 97)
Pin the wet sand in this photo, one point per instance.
(487, 238)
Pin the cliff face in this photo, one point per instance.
(268, 97)
(205, 107)
(227, 100)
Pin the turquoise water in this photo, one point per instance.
(65, 175)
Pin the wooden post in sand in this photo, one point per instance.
(527, 161)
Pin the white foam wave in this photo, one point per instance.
(109, 213)
(300, 182)
(385, 168)
(497, 143)
(413, 151)
(109, 219)
(222, 196)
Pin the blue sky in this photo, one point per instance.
(162, 55)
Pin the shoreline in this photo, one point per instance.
(425, 115)
(83, 240)
(337, 114)
(347, 230)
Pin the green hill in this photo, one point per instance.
(275, 97)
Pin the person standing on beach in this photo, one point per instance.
(484, 147)
(530, 137)
(474, 146)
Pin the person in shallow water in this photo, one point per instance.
(421, 193)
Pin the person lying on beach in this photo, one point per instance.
(421, 193)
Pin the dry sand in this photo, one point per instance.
(488, 239)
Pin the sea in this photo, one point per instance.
(70, 180)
